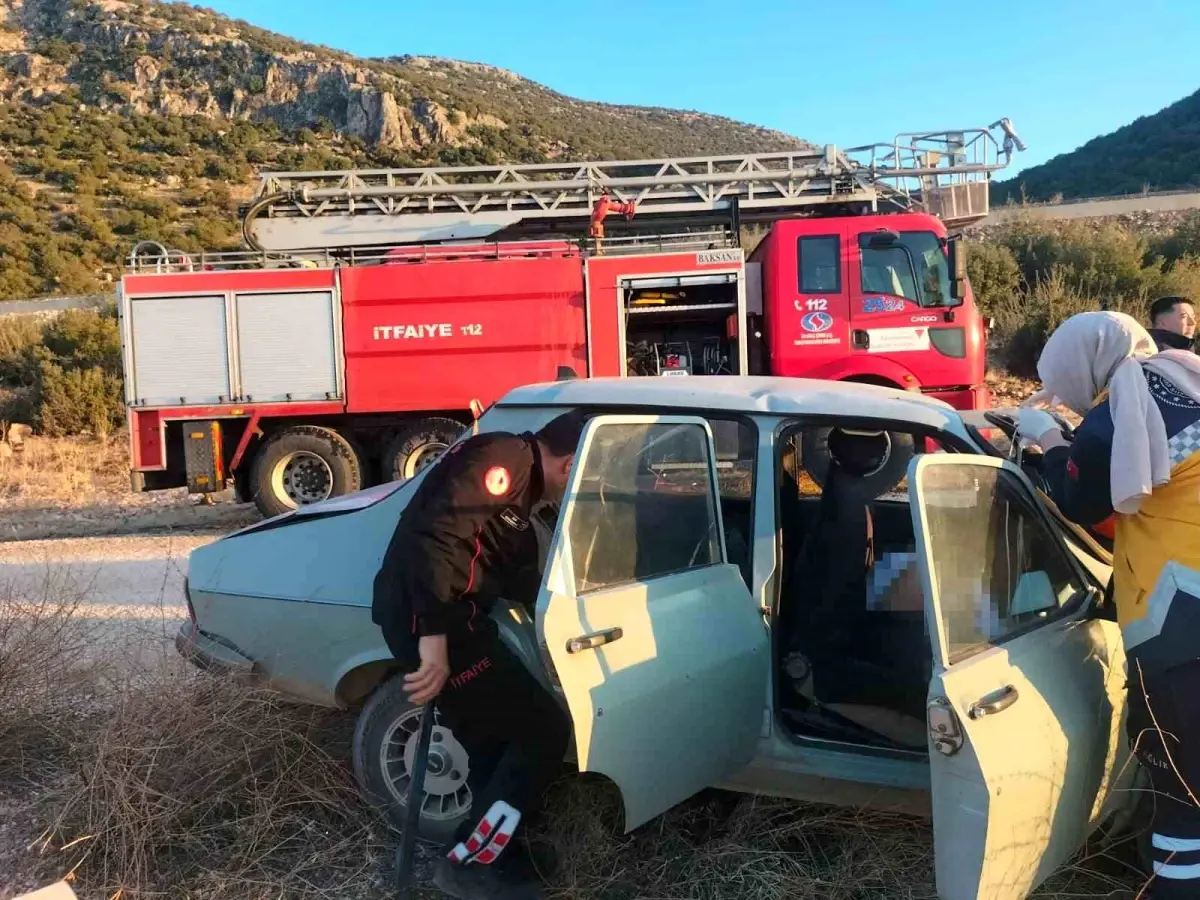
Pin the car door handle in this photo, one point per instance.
(994, 703)
(592, 641)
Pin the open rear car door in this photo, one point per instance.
(1026, 700)
(649, 632)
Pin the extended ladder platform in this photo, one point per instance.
(945, 173)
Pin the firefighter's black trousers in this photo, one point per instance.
(516, 732)
(1164, 730)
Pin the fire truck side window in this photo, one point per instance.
(819, 263)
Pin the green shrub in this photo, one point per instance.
(994, 274)
(78, 401)
(1025, 321)
(1182, 278)
(16, 405)
(20, 336)
(83, 339)
(1183, 241)
(63, 376)
(1031, 274)
(1107, 260)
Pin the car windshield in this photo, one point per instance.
(888, 270)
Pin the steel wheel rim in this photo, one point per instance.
(301, 478)
(423, 458)
(447, 796)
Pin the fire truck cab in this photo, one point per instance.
(878, 299)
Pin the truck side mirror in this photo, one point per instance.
(956, 252)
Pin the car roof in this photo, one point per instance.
(740, 393)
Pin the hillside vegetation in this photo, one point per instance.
(1030, 274)
(129, 119)
(1152, 153)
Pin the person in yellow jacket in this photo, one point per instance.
(1136, 457)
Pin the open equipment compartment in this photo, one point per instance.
(683, 324)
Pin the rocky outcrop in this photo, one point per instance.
(217, 75)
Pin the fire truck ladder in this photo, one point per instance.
(945, 173)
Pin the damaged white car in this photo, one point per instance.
(817, 590)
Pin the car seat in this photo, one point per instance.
(831, 573)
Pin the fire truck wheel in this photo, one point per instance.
(416, 445)
(814, 453)
(385, 745)
(301, 465)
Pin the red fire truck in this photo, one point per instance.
(377, 309)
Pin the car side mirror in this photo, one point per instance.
(956, 252)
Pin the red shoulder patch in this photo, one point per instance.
(1072, 470)
(496, 481)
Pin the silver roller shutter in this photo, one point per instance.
(180, 350)
(286, 348)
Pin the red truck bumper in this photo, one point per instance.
(969, 398)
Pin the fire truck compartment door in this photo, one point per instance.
(287, 346)
(653, 636)
(180, 350)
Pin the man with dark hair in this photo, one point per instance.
(463, 540)
(1173, 323)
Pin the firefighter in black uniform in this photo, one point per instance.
(464, 539)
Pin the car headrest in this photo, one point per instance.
(859, 453)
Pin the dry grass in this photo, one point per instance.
(77, 471)
(209, 788)
(722, 845)
(43, 670)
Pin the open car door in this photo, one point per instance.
(651, 635)
(1028, 690)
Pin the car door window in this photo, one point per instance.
(646, 505)
(997, 567)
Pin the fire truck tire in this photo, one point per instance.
(814, 452)
(416, 445)
(304, 464)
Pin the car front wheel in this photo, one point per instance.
(385, 745)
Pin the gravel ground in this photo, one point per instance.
(138, 514)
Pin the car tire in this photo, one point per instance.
(301, 465)
(416, 445)
(815, 458)
(385, 737)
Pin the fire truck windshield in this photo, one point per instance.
(914, 268)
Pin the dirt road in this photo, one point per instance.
(125, 586)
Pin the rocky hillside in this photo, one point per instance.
(124, 119)
(1155, 152)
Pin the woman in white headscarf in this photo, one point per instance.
(1136, 457)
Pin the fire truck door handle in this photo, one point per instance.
(592, 641)
(861, 339)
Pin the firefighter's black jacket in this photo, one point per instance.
(463, 539)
